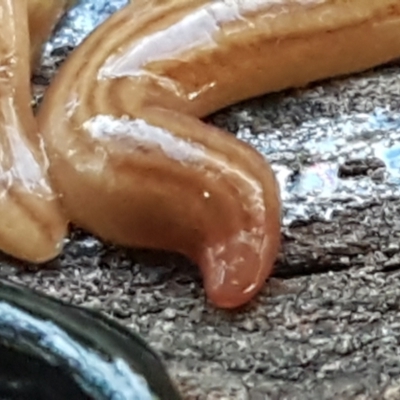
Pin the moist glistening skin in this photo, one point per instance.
(131, 158)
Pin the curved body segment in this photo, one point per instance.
(32, 226)
(133, 161)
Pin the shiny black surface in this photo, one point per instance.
(51, 350)
(26, 377)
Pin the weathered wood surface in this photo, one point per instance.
(327, 335)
